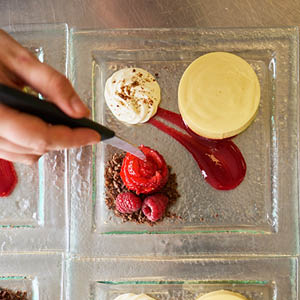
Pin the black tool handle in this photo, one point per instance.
(47, 111)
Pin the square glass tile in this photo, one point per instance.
(256, 279)
(200, 206)
(253, 218)
(39, 275)
(185, 290)
(33, 216)
(19, 284)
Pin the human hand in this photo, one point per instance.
(24, 138)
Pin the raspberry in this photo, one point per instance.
(128, 203)
(154, 206)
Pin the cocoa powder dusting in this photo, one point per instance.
(114, 186)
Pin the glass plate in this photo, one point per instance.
(40, 275)
(257, 279)
(261, 214)
(33, 217)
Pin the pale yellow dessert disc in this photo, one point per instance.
(218, 95)
(222, 295)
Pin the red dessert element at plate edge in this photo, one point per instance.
(8, 178)
(154, 206)
(127, 203)
(146, 176)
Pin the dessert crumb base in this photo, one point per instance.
(114, 186)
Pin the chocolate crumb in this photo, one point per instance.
(6, 294)
(156, 75)
(114, 186)
(135, 83)
(133, 70)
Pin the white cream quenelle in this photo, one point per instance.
(132, 95)
(131, 296)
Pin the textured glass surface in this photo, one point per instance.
(33, 217)
(182, 289)
(201, 206)
(18, 283)
(260, 215)
(24, 207)
(40, 275)
(172, 260)
(257, 279)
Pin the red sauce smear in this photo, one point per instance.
(220, 161)
(8, 178)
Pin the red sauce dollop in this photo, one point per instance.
(8, 178)
(144, 176)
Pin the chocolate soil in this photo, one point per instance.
(114, 186)
(6, 294)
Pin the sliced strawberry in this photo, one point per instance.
(144, 177)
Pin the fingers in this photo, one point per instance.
(50, 83)
(32, 133)
(27, 159)
(24, 138)
(9, 146)
(9, 78)
(54, 86)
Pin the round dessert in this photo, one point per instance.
(218, 95)
(132, 95)
(222, 295)
(130, 296)
(144, 176)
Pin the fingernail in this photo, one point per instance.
(94, 139)
(78, 106)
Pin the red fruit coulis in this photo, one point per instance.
(8, 178)
(220, 161)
